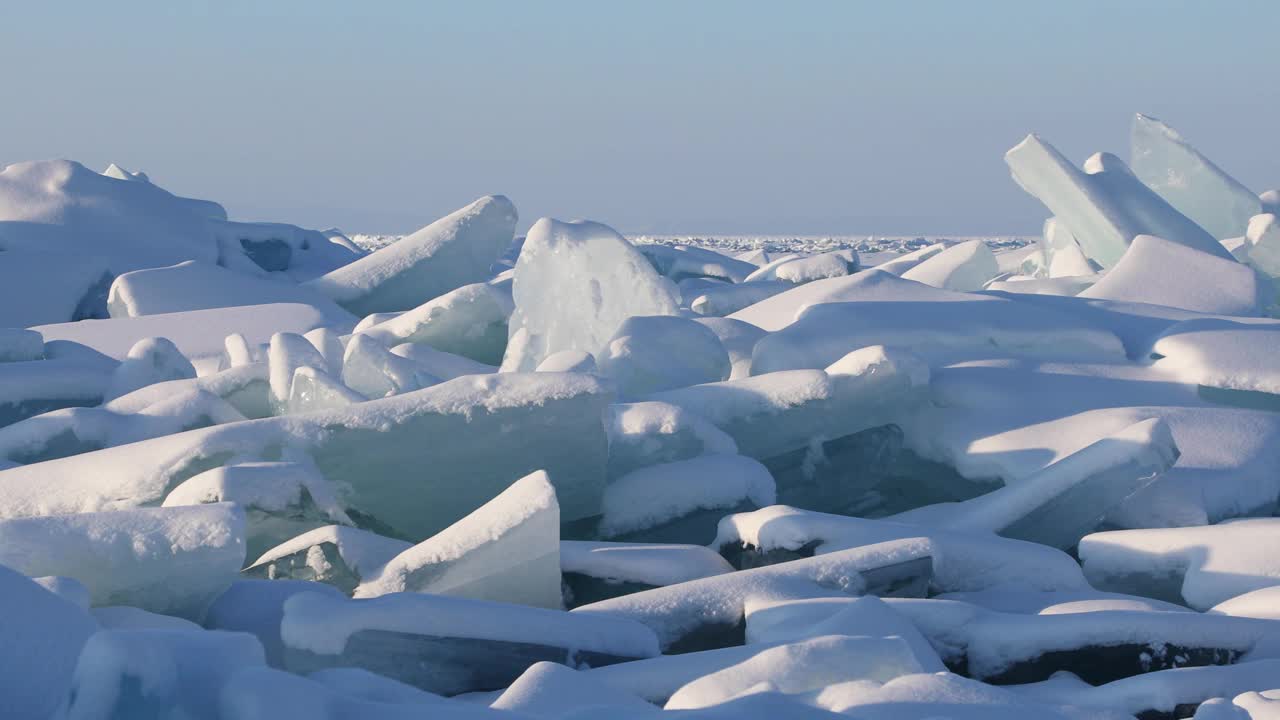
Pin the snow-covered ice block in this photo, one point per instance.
(1261, 603)
(441, 364)
(594, 571)
(649, 433)
(197, 334)
(507, 550)
(800, 270)
(801, 667)
(470, 321)
(964, 267)
(1069, 286)
(738, 339)
(301, 254)
(156, 673)
(449, 253)
(1262, 244)
(1160, 272)
(709, 612)
(659, 494)
(576, 361)
(313, 389)
(774, 413)
(41, 635)
(196, 285)
(1062, 251)
(1189, 181)
(680, 261)
(280, 499)
(37, 288)
(1104, 206)
(150, 361)
(259, 693)
(1201, 566)
(575, 284)
(1068, 499)
(450, 645)
(287, 353)
(1263, 705)
(942, 325)
(372, 370)
(1221, 353)
(256, 607)
(18, 344)
(925, 696)
(32, 387)
(338, 555)
(902, 263)
(328, 343)
(961, 561)
(167, 560)
(649, 354)
(722, 300)
(125, 617)
(551, 690)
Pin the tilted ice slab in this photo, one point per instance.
(374, 451)
(334, 554)
(658, 494)
(648, 354)
(449, 253)
(575, 284)
(198, 333)
(1104, 206)
(507, 550)
(1189, 181)
(168, 560)
(1202, 566)
(38, 287)
(444, 365)
(880, 309)
(771, 414)
(962, 561)
(1068, 499)
(964, 267)
(1222, 353)
(373, 371)
(981, 423)
(194, 285)
(1160, 272)
(470, 321)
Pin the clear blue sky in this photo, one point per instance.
(805, 117)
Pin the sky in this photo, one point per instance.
(660, 117)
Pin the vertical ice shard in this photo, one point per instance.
(507, 550)
(1189, 181)
(575, 284)
(1104, 205)
(450, 252)
(288, 352)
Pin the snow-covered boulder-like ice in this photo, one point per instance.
(964, 267)
(168, 560)
(659, 494)
(1189, 181)
(575, 284)
(449, 253)
(1160, 272)
(648, 354)
(150, 361)
(506, 550)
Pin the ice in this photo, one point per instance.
(800, 270)
(771, 414)
(1067, 286)
(1221, 353)
(801, 667)
(457, 644)
(550, 690)
(329, 344)
(156, 673)
(150, 361)
(723, 300)
(964, 267)
(372, 370)
(738, 339)
(256, 607)
(647, 433)
(38, 288)
(506, 550)
(287, 353)
(655, 353)
(1189, 181)
(313, 389)
(1201, 566)
(651, 565)
(41, 635)
(659, 494)
(1159, 272)
(470, 321)
(172, 561)
(441, 364)
(575, 284)
(1262, 244)
(1104, 206)
(334, 554)
(455, 250)
(1260, 603)
(124, 617)
(922, 697)
(196, 285)
(575, 361)
(902, 263)
(280, 499)
(67, 588)
(1062, 251)
(17, 344)
(1258, 705)
(680, 261)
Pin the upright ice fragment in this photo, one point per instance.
(575, 284)
(506, 550)
(1189, 181)
(450, 252)
(288, 352)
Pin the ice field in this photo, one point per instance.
(252, 471)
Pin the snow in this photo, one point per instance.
(658, 494)
(507, 550)
(657, 565)
(964, 267)
(575, 284)
(150, 361)
(1221, 353)
(650, 354)
(470, 321)
(451, 252)
(722, 300)
(69, 287)
(551, 690)
(373, 371)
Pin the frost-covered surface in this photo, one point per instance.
(250, 471)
